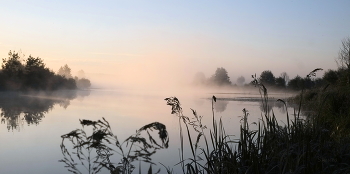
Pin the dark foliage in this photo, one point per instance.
(280, 82)
(65, 71)
(300, 146)
(31, 76)
(343, 59)
(83, 83)
(96, 151)
(267, 78)
(296, 83)
(331, 76)
(220, 78)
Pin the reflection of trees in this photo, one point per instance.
(280, 107)
(266, 108)
(81, 94)
(220, 105)
(272, 104)
(17, 108)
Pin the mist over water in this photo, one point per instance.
(18, 109)
(125, 109)
(128, 98)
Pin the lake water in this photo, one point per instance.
(32, 125)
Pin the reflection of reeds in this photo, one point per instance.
(96, 151)
(300, 146)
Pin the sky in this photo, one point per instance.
(165, 42)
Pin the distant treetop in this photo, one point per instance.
(31, 75)
(220, 77)
(65, 71)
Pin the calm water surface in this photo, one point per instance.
(31, 126)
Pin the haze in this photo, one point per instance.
(149, 44)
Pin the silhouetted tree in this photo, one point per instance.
(36, 74)
(220, 77)
(33, 64)
(330, 76)
(12, 66)
(319, 82)
(13, 71)
(83, 83)
(285, 76)
(342, 76)
(240, 80)
(2, 81)
(308, 83)
(280, 82)
(60, 82)
(267, 78)
(299, 83)
(296, 83)
(343, 59)
(65, 71)
(33, 75)
(81, 74)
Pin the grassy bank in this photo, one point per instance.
(307, 145)
(330, 108)
(318, 143)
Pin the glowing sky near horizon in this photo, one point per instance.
(159, 42)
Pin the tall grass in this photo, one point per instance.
(102, 149)
(299, 146)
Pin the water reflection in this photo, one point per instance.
(273, 104)
(221, 105)
(18, 109)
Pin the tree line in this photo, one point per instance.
(221, 78)
(31, 74)
(339, 77)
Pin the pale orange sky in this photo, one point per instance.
(154, 43)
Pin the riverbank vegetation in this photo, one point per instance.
(303, 144)
(328, 102)
(31, 74)
(315, 138)
(283, 82)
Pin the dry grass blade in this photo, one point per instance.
(95, 151)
